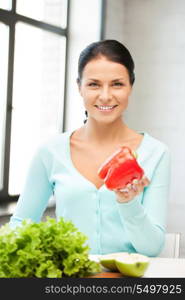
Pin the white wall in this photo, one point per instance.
(84, 28)
(154, 32)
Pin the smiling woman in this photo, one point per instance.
(105, 85)
(132, 219)
(106, 69)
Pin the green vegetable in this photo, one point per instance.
(51, 249)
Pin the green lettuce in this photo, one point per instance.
(49, 249)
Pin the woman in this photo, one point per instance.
(131, 220)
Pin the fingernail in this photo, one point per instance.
(124, 190)
(135, 181)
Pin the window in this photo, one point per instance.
(6, 4)
(32, 79)
(53, 11)
(35, 100)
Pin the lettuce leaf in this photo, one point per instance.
(50, 249)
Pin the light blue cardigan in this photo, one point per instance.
(136, 226)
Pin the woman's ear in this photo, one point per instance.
(77, 80)
(79, 86)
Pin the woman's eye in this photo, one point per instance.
(118, 83)
(93, 84)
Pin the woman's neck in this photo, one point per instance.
(102, 134)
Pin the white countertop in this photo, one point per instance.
(166, 267)
(161, 267)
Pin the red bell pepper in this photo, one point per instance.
(120, 169)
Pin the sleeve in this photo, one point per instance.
(36, 192)
(145, 222)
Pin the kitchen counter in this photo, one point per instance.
(158, 268)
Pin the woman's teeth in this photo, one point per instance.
(105, 107)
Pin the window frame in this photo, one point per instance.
(10, 18)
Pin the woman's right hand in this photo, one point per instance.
(131, 190)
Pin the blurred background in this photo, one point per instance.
(40, 42)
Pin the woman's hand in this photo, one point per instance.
(131, 190)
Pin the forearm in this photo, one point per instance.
(145, 235)
(35, 195)
(144, 217)
(29, 207)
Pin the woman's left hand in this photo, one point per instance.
(131, 190)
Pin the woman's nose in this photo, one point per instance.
(105, 94)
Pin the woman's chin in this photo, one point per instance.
(107, 120)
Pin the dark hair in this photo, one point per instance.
(112, 50)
